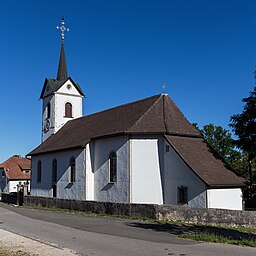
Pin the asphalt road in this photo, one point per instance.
(96, 236)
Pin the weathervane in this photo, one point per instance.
(62, 29)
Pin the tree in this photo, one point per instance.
(222, 142)
(244, 127)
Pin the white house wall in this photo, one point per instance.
(225, 198)
(177, 174)
(105, 191)
(65, 189)
(146, 184)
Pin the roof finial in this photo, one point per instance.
(62, 28)
(164, 87)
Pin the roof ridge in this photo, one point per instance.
(122, 105)
(157, 100)
(164, 115)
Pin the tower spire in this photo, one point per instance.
(62, 68)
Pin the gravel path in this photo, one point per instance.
(16, 243)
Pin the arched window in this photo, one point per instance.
(48, 110)
(54, 171)
(68, 109)
(72, 164)
(39, 171)
(112, 167)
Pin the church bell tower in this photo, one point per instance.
(62, 97)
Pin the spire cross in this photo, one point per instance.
(62, 29)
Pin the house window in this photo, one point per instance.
(54, 171)
(182, 195)
(72, 164)
(112, 167)
(39, 171)
(48, 111)
(3, 174)
(68, 109)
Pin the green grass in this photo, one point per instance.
(213, 238)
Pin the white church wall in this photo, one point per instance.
(65, 189)
(89, 179)
(57, 103)
(146, 170)
(69, 88)
(104, 190)
(178, 174)
(228, 198)
(45, 134)
(67, 94)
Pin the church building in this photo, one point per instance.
(141, 152)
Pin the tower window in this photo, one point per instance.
(48, 110)
(68, 109)
(39, 171)
(112, 167)
(72, 164)
(54, 171)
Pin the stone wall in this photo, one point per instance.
(9, 198)
(159, 212)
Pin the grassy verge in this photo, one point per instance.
(220, 234)
(212, 238)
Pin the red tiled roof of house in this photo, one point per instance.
(15, 168)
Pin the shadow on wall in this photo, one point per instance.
(107, 187)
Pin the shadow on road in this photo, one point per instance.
(180, 229)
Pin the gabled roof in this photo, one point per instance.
(55, 85)
(154, 115)
(204, 162)
(15, 168)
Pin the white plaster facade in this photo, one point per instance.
(179, 174)
(65, 188)
(225, 198)
(148, 171)
(67, 93)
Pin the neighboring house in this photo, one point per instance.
(141, 152)
(14, 171)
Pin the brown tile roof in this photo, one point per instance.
(204, 162)
(14, 167)
(157, 114)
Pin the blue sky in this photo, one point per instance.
(125, 50)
